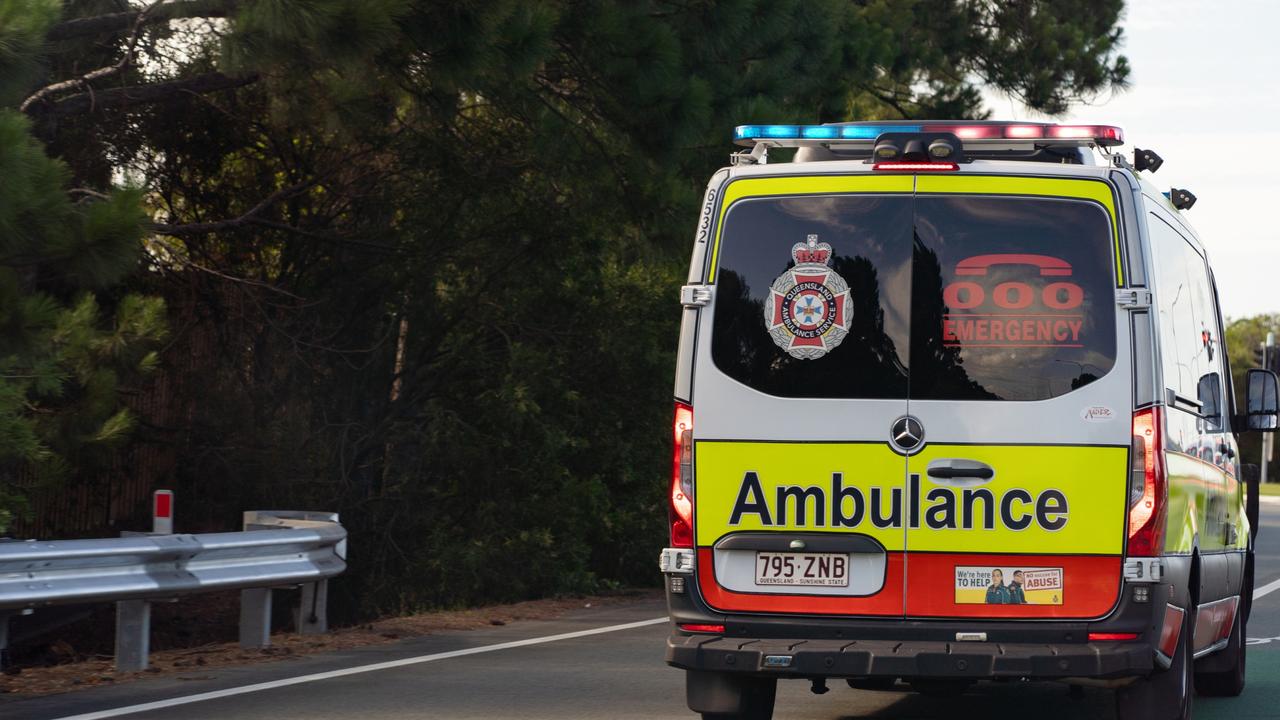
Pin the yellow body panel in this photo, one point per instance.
(1093, 480)
(721, 468)
(1187, 498)
(1043, 499)
(1204, 501)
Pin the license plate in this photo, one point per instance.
(786, 568)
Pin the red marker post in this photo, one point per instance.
(162, 512)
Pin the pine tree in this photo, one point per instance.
(67, 339)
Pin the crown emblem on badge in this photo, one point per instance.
(809, 309)
(811, 251)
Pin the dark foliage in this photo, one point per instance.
(420, 256)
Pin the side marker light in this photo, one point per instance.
(1111, 636)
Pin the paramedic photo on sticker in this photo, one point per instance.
(639, 360)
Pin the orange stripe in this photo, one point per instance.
(1090, 585)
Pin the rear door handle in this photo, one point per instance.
(960, 471)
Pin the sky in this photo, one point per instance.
(1205, 94)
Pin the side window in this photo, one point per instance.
(1189, 340)
(1224, 357)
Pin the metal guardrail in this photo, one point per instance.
(277, 549)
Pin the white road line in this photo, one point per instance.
(390, 664)
(1267, 589)
(404, 662)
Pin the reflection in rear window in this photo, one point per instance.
(1012, 298)
(813, 296)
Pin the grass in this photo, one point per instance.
(1270, 488)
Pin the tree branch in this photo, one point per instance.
(115, 22)
(219, 225)
(148, 93)
(131, 45)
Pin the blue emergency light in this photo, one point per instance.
(818, 132)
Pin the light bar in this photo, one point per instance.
(1103, 135)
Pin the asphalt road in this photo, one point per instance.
(523, 670)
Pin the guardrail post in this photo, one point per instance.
(133, 634)
(312, 617)
(4, 639)
(255, 618)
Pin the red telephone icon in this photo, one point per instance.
(979, 264)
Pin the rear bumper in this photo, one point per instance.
(911, 659)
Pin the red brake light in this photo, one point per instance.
(1105, 636)
(681, 511)
(916, 166)
(702, 628)
(1147, 486)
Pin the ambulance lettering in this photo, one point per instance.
(942, 508)
(1013, 313)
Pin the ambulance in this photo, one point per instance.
(952, 405)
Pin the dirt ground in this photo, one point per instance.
(60, 667)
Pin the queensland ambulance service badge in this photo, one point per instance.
(809, 310)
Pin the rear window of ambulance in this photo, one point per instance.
(855, 298)
(955, 297)
(1012, 298)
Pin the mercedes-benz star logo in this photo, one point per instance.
(906, 434)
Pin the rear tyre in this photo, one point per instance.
(1164, 694)
(1228, 682)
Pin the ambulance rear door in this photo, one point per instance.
(800, 372)
(1020, 381)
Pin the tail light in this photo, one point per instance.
(1148, 485)
(681, 513)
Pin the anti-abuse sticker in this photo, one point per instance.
(1011, 585)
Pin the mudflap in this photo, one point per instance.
(728, 693)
